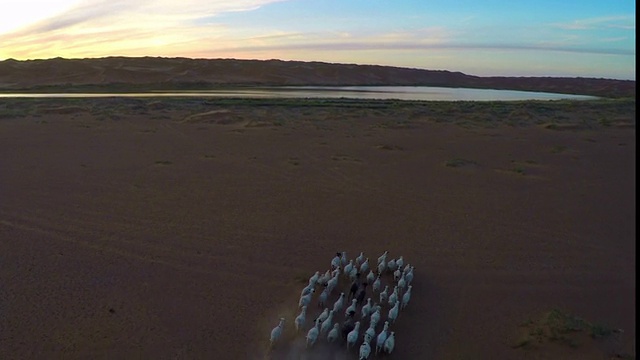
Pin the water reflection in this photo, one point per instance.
(421, 93)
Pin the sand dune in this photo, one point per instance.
(131, 74)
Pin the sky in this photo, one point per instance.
(572, 38)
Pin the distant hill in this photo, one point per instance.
(146, 73)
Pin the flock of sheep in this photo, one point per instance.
(366, 281)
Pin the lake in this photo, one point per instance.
(419, 93)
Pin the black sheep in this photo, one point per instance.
(348, 325)
(361, 294)
(354, 287)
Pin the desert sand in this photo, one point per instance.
(183, 229)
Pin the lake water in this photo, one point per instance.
(421, 93)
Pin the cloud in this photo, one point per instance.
(616, 22)
(140, 14)
(436, 38)
(123, 27)
(458, 46)
(149, 36)
(615, 39)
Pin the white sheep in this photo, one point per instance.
(371, 277)
(402, 283)
(343, 259)
(375, 307)
(335, 262)
(366, 309)
(324, 278)
(323, 297)
(376, 284)
(306, 290)
(409, 275)
(312, 335)
(406, 297)
(393, 298)
(396, 274)
(383, 257)
(375, 317)
(382, 266)
(390, 343)
(391, 265)
(371, 332)
(313, 280)
(306, 299)
(324, 315)
(352, 337)
(347, 268)
(365, 266)
(365, 350)
(382, 337)
(337, 306)
(300, 319)
(393, 312)
(384, 295)
(326, 324)
(276, 332)
(334, 333)
(333, 282)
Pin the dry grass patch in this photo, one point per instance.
(295, 161)
(558, 149)
(389, 147)
(63, 110)
(344, 157)
(562, 328)
(459, 163)
(220, 117)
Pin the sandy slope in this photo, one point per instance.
(139, 235)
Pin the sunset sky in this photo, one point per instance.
(590, 38)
